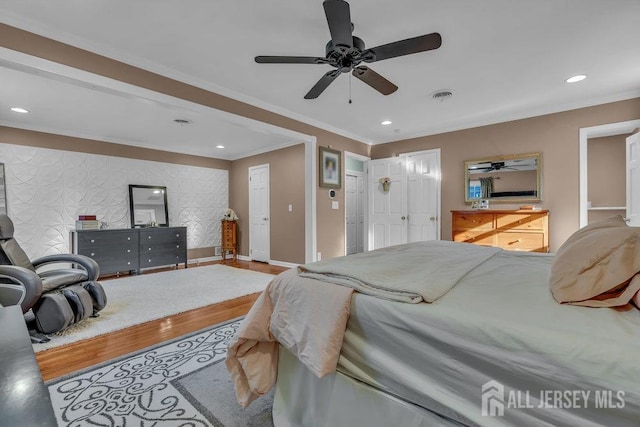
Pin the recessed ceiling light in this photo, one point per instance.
(386, 122)
(219, 146)
(577, 78)
(19, 110)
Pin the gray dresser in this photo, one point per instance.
(130, 249)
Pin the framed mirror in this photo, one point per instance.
(148, 206)
(507, 179)
(3, 191)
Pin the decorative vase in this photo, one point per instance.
(385, 186)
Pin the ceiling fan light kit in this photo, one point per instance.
(347, 53)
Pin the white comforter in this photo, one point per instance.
(415, 272)
(309, 317)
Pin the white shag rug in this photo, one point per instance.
(138, 299)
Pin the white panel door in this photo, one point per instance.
(387, 209)
(423, 196)
(351, 201)
(360, 212)
(633, 180)
(259, 222)
(354, 204)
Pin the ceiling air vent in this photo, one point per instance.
(442, 95)
(182, 121)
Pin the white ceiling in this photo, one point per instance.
(502, 59)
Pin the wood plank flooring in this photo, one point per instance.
(62, 360)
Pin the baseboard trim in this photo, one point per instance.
(196, 261)
(283, 264)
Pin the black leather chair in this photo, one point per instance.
(51, 299)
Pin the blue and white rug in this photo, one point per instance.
(182, 383)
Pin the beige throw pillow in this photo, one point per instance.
(596, 265)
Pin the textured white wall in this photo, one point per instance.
(47, 190)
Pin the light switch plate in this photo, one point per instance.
(335, 204)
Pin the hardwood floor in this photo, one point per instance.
(62, 360)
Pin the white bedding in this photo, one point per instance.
(499, 323)
(404, 273)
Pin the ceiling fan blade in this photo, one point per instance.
(339, 20)
(375, 80)
(403, 47)
(322, 84)
(290, 60)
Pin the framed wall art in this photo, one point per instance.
(330, 168)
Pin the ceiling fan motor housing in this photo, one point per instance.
(345, 58)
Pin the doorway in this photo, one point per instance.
(259, 214)
(355, 203)
(597, 132)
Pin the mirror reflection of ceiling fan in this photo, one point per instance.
(346, 52)
(496, 166)
(506, 165)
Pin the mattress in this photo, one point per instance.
(540, 362)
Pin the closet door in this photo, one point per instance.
(387, 208)
(423, 196)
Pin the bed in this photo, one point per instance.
(495, 348)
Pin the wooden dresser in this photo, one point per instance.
(229, 239)
(517, 230)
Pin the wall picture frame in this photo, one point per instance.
(330, 168)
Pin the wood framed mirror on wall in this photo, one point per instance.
(504, 179)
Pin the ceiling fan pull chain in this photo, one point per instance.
(349, 88)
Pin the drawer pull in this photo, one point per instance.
(128, 250)
(93, 241)
(129, 263)
(148, 237)
(92, 254)
(149, 260)
(149, 248)
(178, 246)
(177, 235)
(128, 238)
(515, 241)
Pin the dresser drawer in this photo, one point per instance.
(521, 221)
(160, 247)
(529, 242)
(159, 235)
(92, 239)
(476, 237)
(476, 222)
(167, 258)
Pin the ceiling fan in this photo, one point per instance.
(496, 166)
(346, 52)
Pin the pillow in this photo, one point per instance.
(596, 265)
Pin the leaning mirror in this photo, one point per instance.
(3, 191)
(508, 179)
(148, 206)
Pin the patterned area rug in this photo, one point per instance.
(182, 383)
